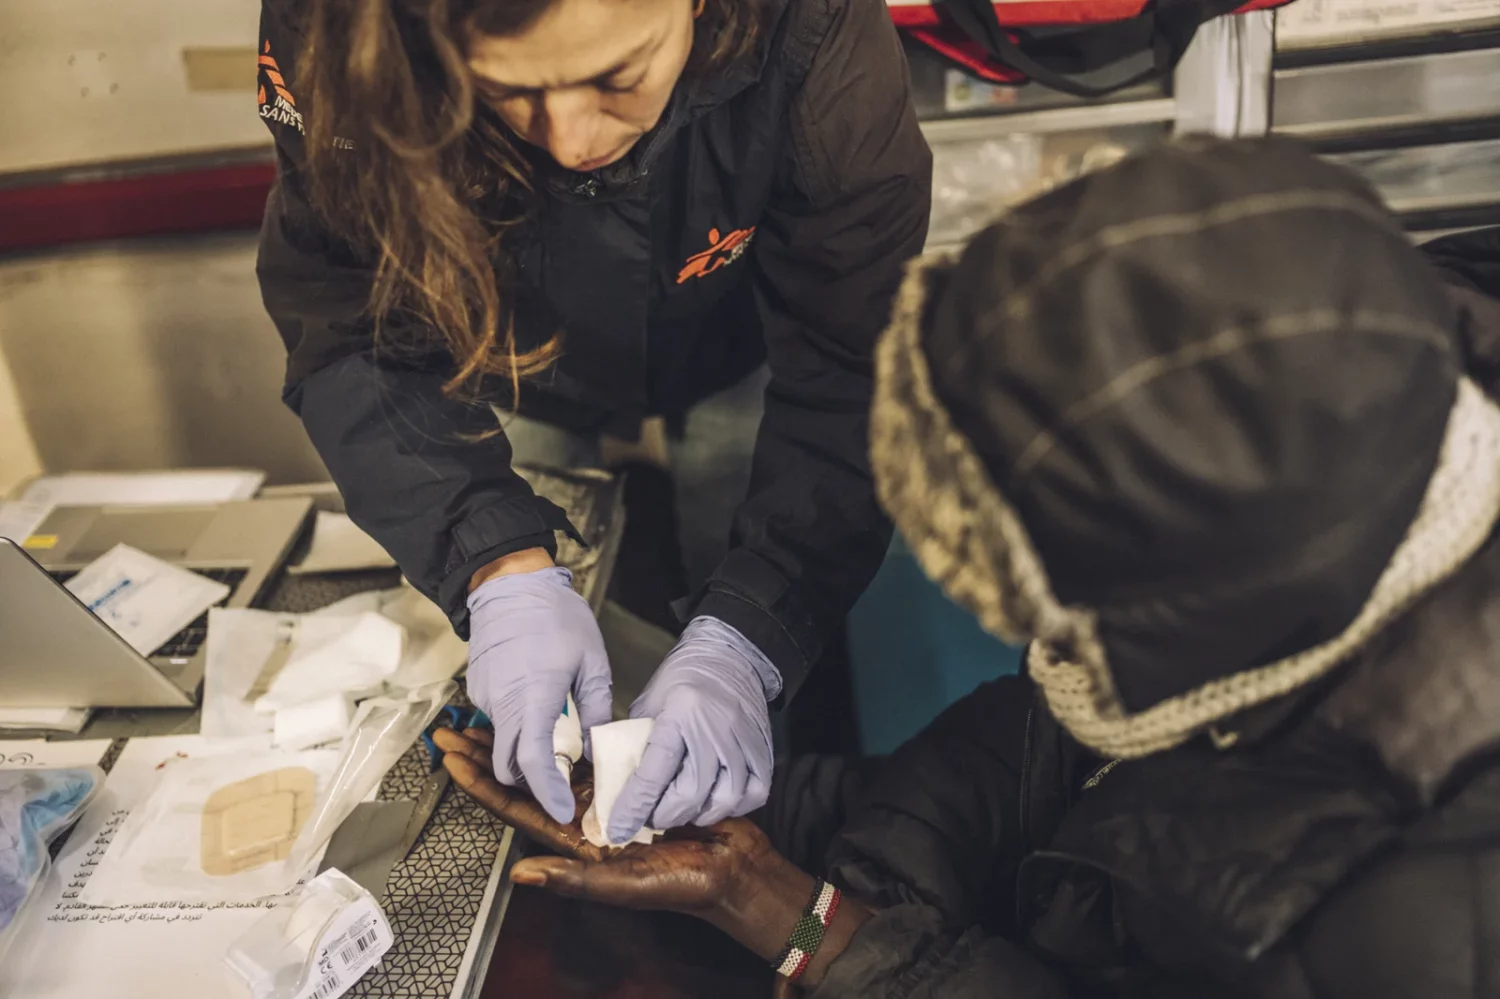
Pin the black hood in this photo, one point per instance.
(1212, 383)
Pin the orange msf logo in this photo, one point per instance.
(273, 73)
(721, 250)
(279, 105)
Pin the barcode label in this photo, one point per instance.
(357, 949)
(330, 987)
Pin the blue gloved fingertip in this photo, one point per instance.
(619, 834)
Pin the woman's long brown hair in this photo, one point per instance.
(406, 165)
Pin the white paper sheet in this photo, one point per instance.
(24, 754)
(69, 950)
(19, 520)
(69, 720)
(354, 606)
(210, 485)
(1324, 21)
(145, 600)
(339, 546)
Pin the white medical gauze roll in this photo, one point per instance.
(303, 726)
(618, 748)
(336, 655)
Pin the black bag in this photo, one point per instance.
(1085, 37)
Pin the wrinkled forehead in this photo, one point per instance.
(568, 42)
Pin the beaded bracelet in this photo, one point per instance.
(807, 935)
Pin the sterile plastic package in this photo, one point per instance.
(974, 180)
(315, 948)
(36, 807)
(382, 730)
(433, 652)
(241, 644)
(352, 657)
(216, 828)
(236, 827)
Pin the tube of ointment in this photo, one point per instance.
(567, 740)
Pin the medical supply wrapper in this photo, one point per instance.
(36, 807)
(316, 948)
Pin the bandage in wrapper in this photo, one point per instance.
(220, 828)
(315, 948)
(255, 821)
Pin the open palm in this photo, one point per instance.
(688, 871)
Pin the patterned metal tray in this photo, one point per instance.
(446, 899)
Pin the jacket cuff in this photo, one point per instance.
(907, 951)
(752, 597)
(881, 956)
(493, 532)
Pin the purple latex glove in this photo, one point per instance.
(709, 756)
(532, 639)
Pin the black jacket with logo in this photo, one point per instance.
(765, 220)
(1341, 840)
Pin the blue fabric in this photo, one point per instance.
(35, 806)
(913, 652)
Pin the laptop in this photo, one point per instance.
(55, 653)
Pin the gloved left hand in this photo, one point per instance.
(709, 756)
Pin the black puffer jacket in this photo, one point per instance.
(1219, 510)
(765, 220)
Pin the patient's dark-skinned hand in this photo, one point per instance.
(727, 874)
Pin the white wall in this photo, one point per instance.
(88, 81)
(18, 457)
(152, 353)
(146, 353)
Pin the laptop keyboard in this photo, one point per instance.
(186, 643)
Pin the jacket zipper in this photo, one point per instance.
(1026, 780)
(1025, 906)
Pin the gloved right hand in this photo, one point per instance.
(532, 639)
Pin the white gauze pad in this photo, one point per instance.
(618, 747)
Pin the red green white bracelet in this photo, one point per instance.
(807, 935)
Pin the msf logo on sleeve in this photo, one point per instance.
(276, 104)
